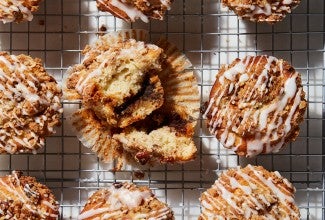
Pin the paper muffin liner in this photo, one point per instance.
(179, 83)
(96, 136)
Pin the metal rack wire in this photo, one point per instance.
(210, 36)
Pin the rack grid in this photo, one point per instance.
(210, 36)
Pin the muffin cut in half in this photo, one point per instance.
(139, 101)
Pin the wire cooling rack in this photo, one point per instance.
(209, 35)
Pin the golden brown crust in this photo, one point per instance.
(270, 11)
(29, 101)
(249, 193)
(125, 201)
(18, 11)
(256, 105)
(22, 197)
(130, 10)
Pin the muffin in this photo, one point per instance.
(22, 197)
(119, 82)
(29, 101)
(270, 11)
(125, 201)
(18, 10)
(131, 10)
(249, 193)
(141, 105)
(256, 105)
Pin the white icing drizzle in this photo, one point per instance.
(17, 83)
(277, 8)
(132, 12)
(248, 198)
(124, 198)
(8, 7)
(16, 192)
(268, 137)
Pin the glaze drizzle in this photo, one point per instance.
(119, 201)
(13, 190)
(230, 115)
(27, 101)
(11, 6)
(239, 194)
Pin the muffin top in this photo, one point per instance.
(256, 105)
(270, 11)
(29, 101)
(131, 10)
(125, 201)
(22, 197)
(249, 193)
(18, 10)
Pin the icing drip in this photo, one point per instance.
(132, 12)
(21, 102)
(121, 198)
(266, 120)
(239, 191)
(12, 189)
(268, 10)
(15, 6)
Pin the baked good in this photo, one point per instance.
(22, 197)
(270, 11)
(118, 81)
(155, 120)
(125, 201)
(166, 134)
(18, 10)
(29, 101)
(249, 193)
(131, 10)
(256, 105)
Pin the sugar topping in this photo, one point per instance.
(246, 113)
(30, 104)
(249, 201)
(9, 7)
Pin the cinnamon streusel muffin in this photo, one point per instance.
(139, 101)
(249, 193)
(118, 81)
(125, 201)
(18, 10)
(29, 101)
(130, 10)
(256, 105)
(22, 197)
(270, 11)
